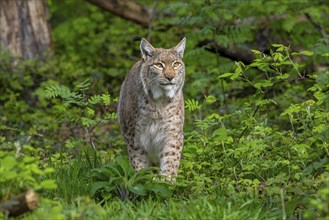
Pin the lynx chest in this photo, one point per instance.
(153, 127)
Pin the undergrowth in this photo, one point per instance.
(274, 163)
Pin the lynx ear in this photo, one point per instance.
(180, 47)
(146, 48)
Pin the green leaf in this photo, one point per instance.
(192, 105)
(84, 85)
(292, 109)
(48, 184)
(8, 162)
(278, 57)
(314, 166)
(87, 122)
(256, 52)
(95, 99)
(138, 189)
(34, 168)
(126, 169)
(48, 170)
(106, 99)
(110, 116)
(301, 148)
(220, 134)
(210, 99)
(159, 189)
(277, 45)
(101, 185)
(284, 76)
(225, 75)
(90, 112)
(28, 159)
(238, 69)
(54, 91)
(9, 175)
(306, 53)
(263, 83)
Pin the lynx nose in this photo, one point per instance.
(169, 78)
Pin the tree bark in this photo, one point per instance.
(20, 204)
(126, 9)
(24, 27)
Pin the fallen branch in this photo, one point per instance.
(127, 9)
(232, 52)
(20, 204)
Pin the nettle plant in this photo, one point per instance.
(273, 144)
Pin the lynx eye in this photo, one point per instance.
(176, 64)
(158, 65)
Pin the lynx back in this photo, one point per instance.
(151, 109)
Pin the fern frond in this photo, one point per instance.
(192, 105)
(106, 99)
(112, 115)
(95, 99)
(84, 85)
(54, 91)
(88, 122)
(75, 98)
(90, 112)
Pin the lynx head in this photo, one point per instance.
(162, 70)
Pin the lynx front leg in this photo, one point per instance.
(138, 158)
(169, 162)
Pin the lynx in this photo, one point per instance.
(151, 109)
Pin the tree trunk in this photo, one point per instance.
(24, 27)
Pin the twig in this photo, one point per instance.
(284, 215)
(317, 26)
(253, 115)
(152, 16)
(90, 138)
(221, 80)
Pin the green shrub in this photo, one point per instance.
(268, 149)
(120, 179)
(23, 170)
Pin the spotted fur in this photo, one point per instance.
(151, 109)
